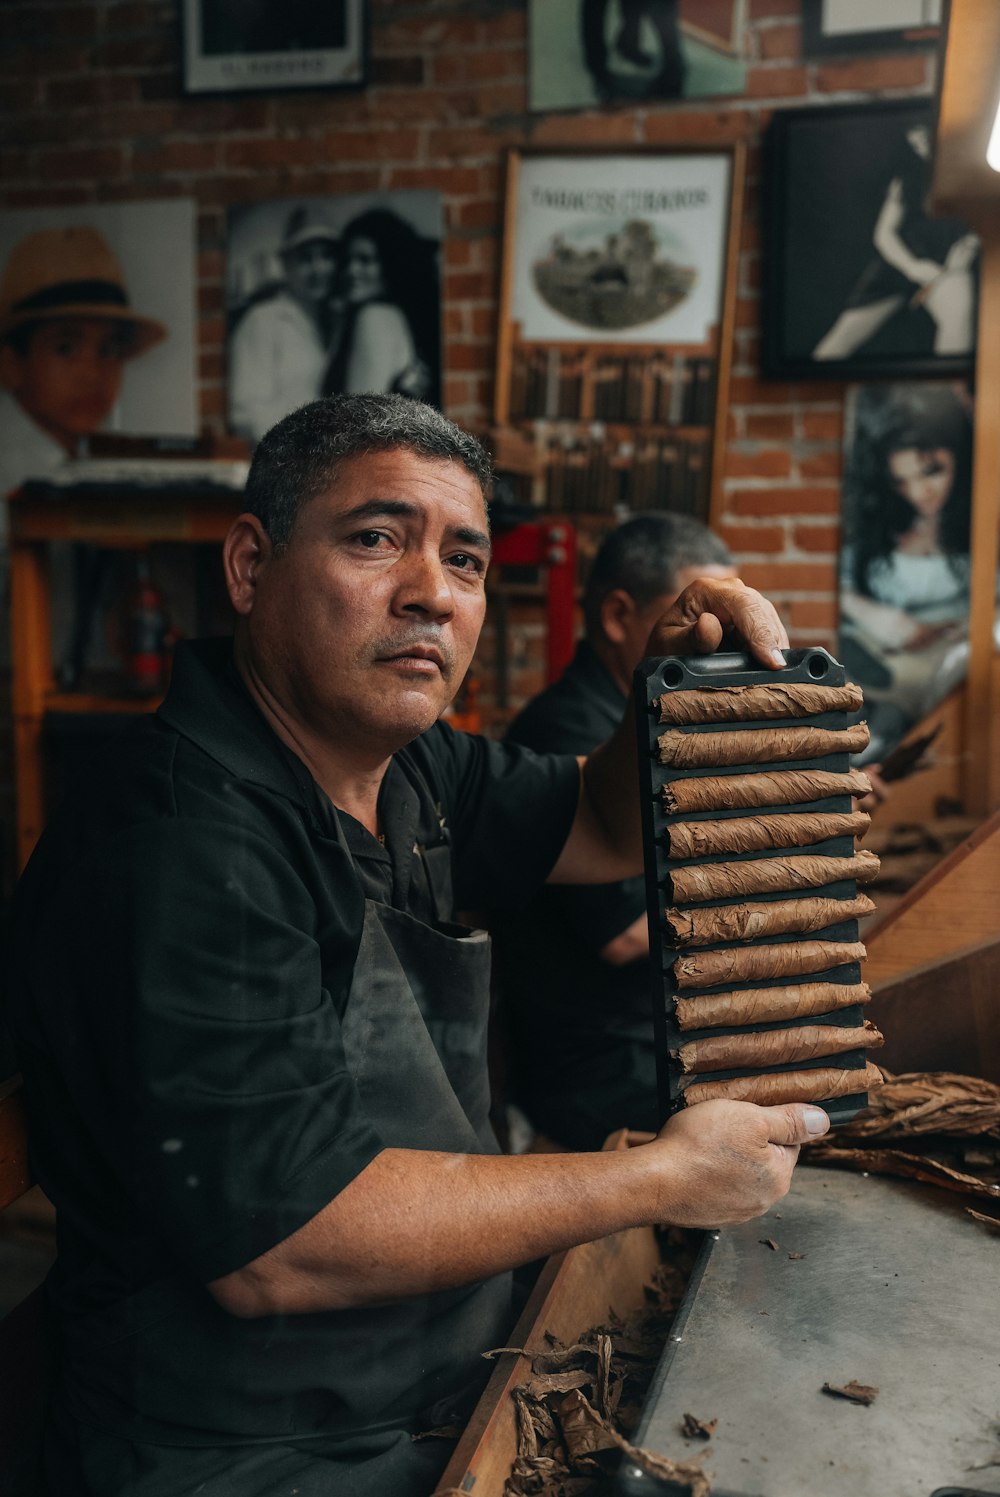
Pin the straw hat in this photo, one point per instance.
(303, 226)
(69, 272)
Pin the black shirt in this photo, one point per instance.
(186, 938)
(581, 1035)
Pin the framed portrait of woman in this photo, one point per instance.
(904, 562)
(859, 278)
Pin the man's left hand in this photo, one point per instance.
(698, 620)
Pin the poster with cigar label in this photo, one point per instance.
(754, 880)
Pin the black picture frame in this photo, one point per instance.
(820, 40)
(829, 177)
(230, 47)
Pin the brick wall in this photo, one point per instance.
(91, 109)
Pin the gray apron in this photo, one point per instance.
(414, 1030)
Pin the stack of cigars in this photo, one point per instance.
(753, 874)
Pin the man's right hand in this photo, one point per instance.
(730, 1161)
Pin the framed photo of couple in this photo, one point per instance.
(860, 279)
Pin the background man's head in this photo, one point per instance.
(67, 329)
(637, 573)
(301, 456)
(309, 252)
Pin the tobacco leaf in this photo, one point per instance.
(697, 1429)
(991, 1223)
(897, 1162)
(928, 1102)
(744, 792)
(768, 1242)
(854, 1391)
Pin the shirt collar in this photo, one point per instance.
(208, 703)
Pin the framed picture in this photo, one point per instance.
(331, 294)
(615, 321)
(240, 45)
(859, 279)
(839, 26)
(584, 53)
(905, 556)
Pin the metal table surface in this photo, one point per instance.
(896, 1288)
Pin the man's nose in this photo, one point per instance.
(424, 586)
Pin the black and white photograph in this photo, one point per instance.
(332, 294)
(587, 52)
(860, 277)
(97, 329)
(620, 248)
(905, 564)
(239, 45)
(847, 26)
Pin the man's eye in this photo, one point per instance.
(466, 563)
(370, 538)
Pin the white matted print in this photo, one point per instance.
(240, 45)
(620, 248)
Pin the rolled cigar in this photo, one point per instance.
(705, 969)
(775, 1047)
(747, 922)
(732, 704)
(767, 1005)
(768, 875)
(699, 839)
(784, 787)
(684, 750)
(821, 1084)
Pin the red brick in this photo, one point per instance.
(87, 93)
(812, 613)
(138, 53)
(754, 391)
(753, 540)
(471, 285)
(775, 82)
(789, 576)
(176, 156)
(824, 538)
(398, 70)
(466, 356)
(664, 125)
(823, 426)
(777, 426)
(770, 463)
(763, 10)
(492, 66)
(584, 129)
(792, 501)
(46, 197)
(484, 322)
(822, 464)
(458, 144)
(862, 73)
(780, 42)
(457, 251)
(747, 311)
(90, 165)
(456, 181)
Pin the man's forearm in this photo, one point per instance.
(414, 1222)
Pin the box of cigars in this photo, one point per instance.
(754, 880)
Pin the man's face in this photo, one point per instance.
(70, 376)
(365, 625)
(310, 270)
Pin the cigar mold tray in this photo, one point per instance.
(660, 678)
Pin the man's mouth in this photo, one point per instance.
(422, 659)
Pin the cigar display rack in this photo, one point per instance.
(752, 880)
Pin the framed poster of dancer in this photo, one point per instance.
(859, 278)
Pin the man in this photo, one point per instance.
(253, 1042)
(572, 969)
(280, 348)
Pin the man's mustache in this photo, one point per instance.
(417, 637)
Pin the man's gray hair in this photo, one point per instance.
(644, 556)
(300, 458)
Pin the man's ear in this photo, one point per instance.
(617, 612)
(246, 550)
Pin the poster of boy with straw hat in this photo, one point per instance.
(83, 293)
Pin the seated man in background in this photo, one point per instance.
(572, 969)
